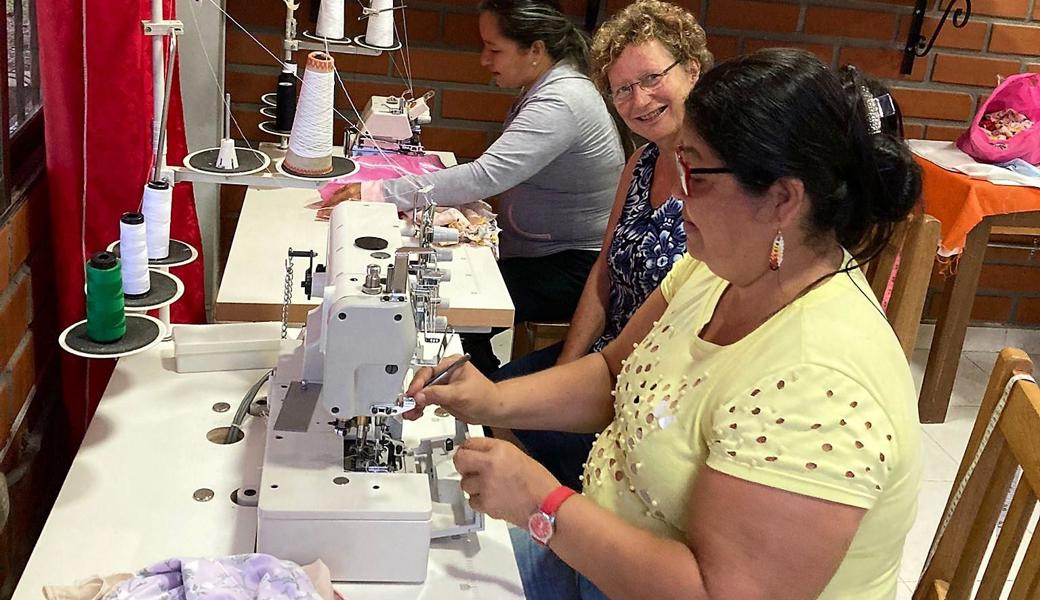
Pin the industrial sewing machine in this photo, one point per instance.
(345, 479)
(393, 124)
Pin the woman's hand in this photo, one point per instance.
(465, 394)
(502, 481)
(350, 191)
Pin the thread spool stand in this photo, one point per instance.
(247, 161)
(180, 254)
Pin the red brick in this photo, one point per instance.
(465, 143)
(1033, 67)
(1036, 11)
(1010, 278)
(5, 254)
(19, 229)
(823, 51)
(246, 13)
(1012, 9)
(14, 316)
(913, 131)
(439, 65)
(946, 134)
(1015, 39)
(840, 22)
(23, 372)
(882, 63)
(1028, 312)
(968, 70)
(422, 25)
(928, 104)
(460, 31)
(993, 309)
(753, 16)
(476, 106)
(970, 37)
(723, 47)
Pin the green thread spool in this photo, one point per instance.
(106, 318)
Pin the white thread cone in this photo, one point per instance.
(228, 157)
(133, 254)
(310, 143)
(380, 31)
(157, 205)
(330, 20)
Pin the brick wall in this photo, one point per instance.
(34, 457)
(938, 97)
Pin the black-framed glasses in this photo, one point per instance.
(686, 171)
(647, 83)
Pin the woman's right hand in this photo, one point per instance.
(466, 394)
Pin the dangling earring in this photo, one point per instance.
(776, 255)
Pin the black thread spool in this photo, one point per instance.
(285, 107)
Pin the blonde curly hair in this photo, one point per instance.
(640, 22)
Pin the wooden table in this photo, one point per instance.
(953, 198)
(253, 284)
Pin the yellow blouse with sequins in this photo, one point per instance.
(817, 401)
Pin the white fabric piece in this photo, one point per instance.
(948, 156)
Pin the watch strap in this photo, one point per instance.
(552, 502)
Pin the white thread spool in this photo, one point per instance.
(380, 30)
(133, 254)
(330, 20)
(157, 205)
(310, 143)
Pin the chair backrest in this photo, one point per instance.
(903, 269)
(530, 336)
(1013, 444)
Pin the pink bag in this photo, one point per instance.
(1019, 92)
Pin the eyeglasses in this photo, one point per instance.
(685, 170)
(647, 83)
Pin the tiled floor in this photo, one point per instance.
(943, 443)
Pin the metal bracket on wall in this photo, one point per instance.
(916, 44)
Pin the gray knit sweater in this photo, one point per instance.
(555, 169)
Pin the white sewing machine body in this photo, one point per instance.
(394, 123)
(344, 478)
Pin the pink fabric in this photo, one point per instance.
(1022, 93)
(376, 168)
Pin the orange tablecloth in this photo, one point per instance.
(960, 202)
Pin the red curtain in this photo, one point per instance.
(96, 71)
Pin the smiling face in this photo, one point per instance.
(656, 114)
(511, 66)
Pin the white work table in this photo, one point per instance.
(273, 220)
(127, 501)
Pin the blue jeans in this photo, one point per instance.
(545, 576)
(561, 452)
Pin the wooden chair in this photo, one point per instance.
(1014, 443)
(530, 336)
(910, 253)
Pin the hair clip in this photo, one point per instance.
(877, 109)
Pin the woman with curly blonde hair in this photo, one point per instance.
(645, 60)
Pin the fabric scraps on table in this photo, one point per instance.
(240, 577)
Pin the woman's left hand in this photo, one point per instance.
(502, 481)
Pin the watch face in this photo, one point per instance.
(541, 527)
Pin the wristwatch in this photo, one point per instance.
(542, 523)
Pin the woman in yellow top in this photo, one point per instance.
(759, 424)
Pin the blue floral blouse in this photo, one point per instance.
(646, 243)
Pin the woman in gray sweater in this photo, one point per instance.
(554, 168)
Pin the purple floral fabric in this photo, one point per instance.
(241, 577)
